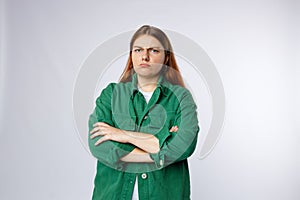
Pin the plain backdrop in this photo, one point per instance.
(255, 48)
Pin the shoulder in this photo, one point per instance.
(114, 88)
(108, 89)
(179, 91)
(181, 95)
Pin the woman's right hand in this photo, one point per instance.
(174, 129)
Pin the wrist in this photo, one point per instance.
(130, 137)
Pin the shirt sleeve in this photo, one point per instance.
(108, 152)
(180, 145)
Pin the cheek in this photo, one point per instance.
(158, 59)
(134, 59)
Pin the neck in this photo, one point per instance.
(147, 84)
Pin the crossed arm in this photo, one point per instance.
(145, 143)
(162, 148)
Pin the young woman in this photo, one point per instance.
(145, 127)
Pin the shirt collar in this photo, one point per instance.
(162, 84)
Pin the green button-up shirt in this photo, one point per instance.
(121, 105)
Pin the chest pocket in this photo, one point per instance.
(160, 122)
(156, 124)
(124, 121)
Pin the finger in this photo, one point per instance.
(102, 124)
(94, 130)
(176, 128)
(97, 134)
(103, 139)
(172, 129)
(96, 124)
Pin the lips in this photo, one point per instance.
(144, 65)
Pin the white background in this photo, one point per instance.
(254, 45)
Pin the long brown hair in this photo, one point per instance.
(170, 71)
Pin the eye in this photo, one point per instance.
(155, 51)
(137, 50)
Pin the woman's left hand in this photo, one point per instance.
(108, 132)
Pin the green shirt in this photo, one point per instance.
(121, 105)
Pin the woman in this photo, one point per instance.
(145, 127)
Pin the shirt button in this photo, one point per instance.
(144, 176)
(146, 117)
(161, 162)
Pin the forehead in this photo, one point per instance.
(147, 41)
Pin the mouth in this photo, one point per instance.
(144, 65)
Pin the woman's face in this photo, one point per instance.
(147, 56)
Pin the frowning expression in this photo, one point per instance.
(147, 56)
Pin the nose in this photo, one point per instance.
(145, 56)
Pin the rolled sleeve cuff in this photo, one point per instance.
(159, 159)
